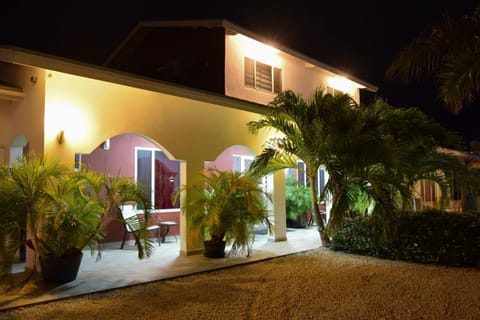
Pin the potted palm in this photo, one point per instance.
(58, 212)
(297, 203)
(226, 206)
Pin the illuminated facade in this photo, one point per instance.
(68, 110)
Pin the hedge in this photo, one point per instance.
(431, 236)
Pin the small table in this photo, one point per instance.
(167, 225)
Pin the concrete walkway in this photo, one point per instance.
(121, 268)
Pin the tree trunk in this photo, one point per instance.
(324, 239)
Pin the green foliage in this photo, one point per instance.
(297, 198)
(357, 235)
(448, 55)
(56, 211)
(311, 128)
(226, 205)
(431, 236)
(374, 155)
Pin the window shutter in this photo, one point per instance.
(249, 73)
(263, 76)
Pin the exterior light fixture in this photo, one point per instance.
(61, 137)
(106, 144)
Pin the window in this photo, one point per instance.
(321, 180)
(158, 176)
(302, 173)
(427, 191)
(78, 162)
(262, 76)
(241, 162)
(333, 91)
(303, 178)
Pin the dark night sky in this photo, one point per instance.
(359, 37)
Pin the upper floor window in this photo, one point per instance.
(262, 76)
(333, 91)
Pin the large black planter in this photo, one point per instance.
(214, 249)
(299, 222)
(60, 269)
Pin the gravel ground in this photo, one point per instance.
(318, 284)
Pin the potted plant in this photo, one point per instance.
(58, 212)
(226, 206)
(298, 203)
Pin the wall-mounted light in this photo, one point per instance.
(259, 51)
(106, 144)
(343, 84)
(61, 137)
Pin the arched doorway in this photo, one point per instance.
(239, 158)
(152, 167)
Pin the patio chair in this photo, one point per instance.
(133, 223)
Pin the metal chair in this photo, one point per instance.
(133, 222)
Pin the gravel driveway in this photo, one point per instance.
(318, 284)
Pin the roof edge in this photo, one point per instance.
(228, 25)
(34, 59)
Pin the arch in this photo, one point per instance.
(125, 155)
(236, 157)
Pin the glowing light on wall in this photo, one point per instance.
(259, 51)
(343, 84)
(64, 123)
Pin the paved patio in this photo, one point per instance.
(121, 268)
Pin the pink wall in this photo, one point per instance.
(225, 160)
(120, 158)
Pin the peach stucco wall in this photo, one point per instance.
(23, 117)
(299, 76)
(90, 111)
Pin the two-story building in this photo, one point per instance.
(173, 98)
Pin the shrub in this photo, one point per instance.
(356, 235)
(432, 236)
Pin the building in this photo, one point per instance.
(428, 194)
(173, 98)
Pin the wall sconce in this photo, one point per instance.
(61, 137)
(106, 144)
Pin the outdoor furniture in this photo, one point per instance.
(166, 225)
(133, 222)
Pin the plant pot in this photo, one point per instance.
(214, 249)
(299, 222)
(60, 269)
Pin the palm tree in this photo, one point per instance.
(449, 53)
(303, 125)
(374, 155)
(383, 153)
